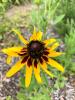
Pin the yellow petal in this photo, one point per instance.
(13, 51)
(9, 58)
(49, 41)
(54, 46)
(36, 35)
(54, 54)
(20, 36)
(44, 67)
(55, 64)
(34, 31)
(15, 69)
(28, 75)
(37, 74)
(33, 37)
(39, 35)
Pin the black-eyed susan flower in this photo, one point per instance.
(35, 55)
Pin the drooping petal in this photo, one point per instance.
(9, 58)
(55, 64)
(54, 54)
(29, 62)
(36, 35)
(28, 75)
(20, 36)
(44, 67)
(35, 63)
(25, 59)
(54, 46)
(49, 41)
(15, 68)
(12, 51)
(41, 60)
(46, 52)
(37, 74)
(45, 58)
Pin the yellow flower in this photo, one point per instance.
(35, 54)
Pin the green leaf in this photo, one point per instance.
(4, 1)
(37, 2)
(44, 78)
(8, 98)
(22, 82)
(21, 96)
(2, 9)
(17, 2)
(1, 37)
(59, 18)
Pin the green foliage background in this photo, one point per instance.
(58, 15)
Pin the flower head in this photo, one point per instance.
(35, 54)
